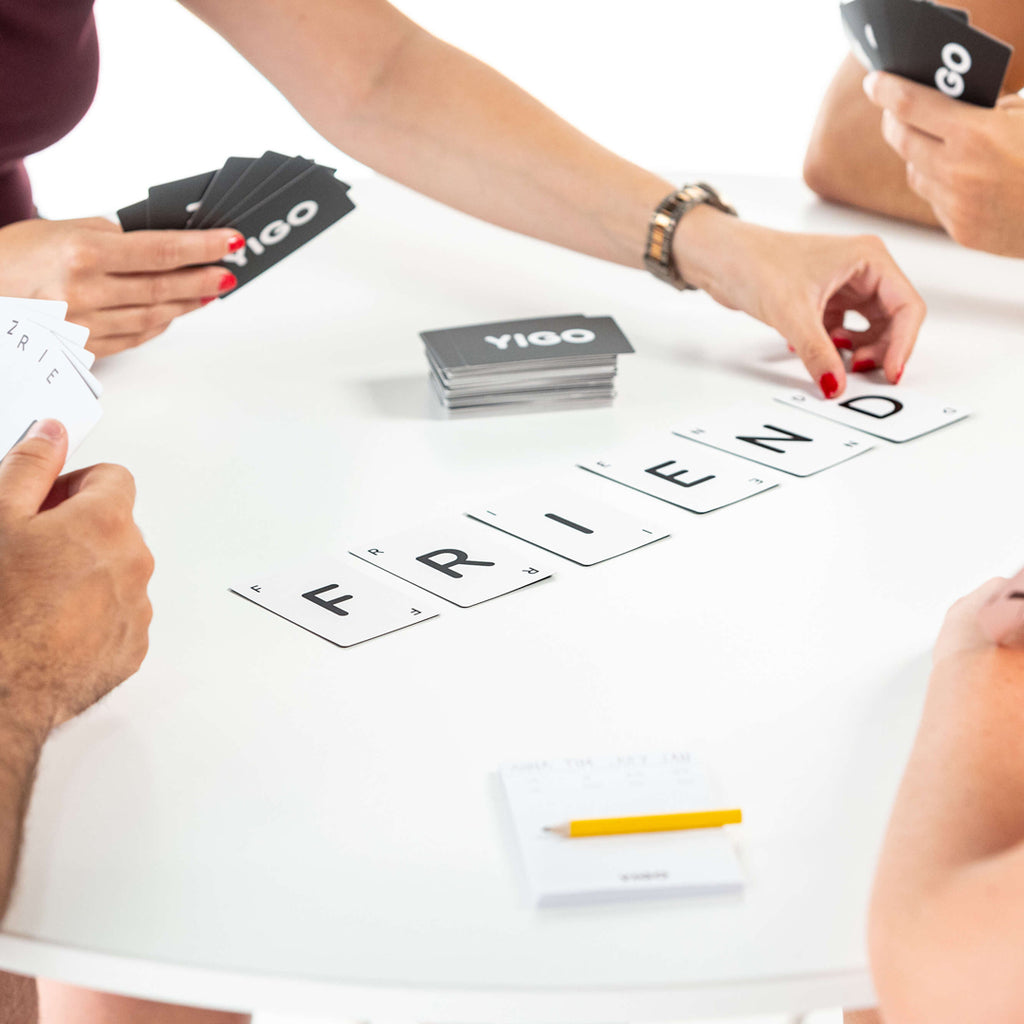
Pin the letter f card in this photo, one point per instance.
(336, 599)
(883, 410)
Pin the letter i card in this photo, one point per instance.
(882, 410)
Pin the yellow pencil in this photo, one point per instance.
(646, 823)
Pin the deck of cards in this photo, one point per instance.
(554, 361)
(277, 203)
(929, 44)
(44, 372)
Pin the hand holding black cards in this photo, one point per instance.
(929, 44)
(277, 204)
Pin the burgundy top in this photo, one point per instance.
(49, 61)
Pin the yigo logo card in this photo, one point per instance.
(287, 220)
(883, 410)
(538, 339)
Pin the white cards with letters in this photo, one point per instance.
(777, 437)
(336, 599)
(44, 372)
(456, 559)
(884, 410)
(560, 870)
(685, 474)
(569, 524)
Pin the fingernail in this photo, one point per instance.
(829, 385)
(790, 347)
(869, 83)
(841, 342)
(207, 300)
(227, 282)
(236, 243)
(863, 365)
(49, 430)
(899, 374)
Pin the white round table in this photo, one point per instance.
(261, 820)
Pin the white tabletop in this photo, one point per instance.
(260, 819)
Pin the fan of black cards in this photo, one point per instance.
(929, 44)
(277, 203)
(559, 361)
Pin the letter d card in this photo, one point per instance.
(883, 410)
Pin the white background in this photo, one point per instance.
(714, 85)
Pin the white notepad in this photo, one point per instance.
(561, 870)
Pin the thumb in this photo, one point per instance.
(31, 467)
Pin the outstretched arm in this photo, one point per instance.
(948, 907)
(848, 160)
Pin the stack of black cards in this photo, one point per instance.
(929, 44)
(554, 360)
(277, 203)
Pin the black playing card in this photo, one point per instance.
(257, 172)
(865, 32)
(935, 46)
(234, 167)
(289, 170)
(171, 204)
(286, 221)
(134, 217)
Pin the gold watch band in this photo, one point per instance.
(664, 221)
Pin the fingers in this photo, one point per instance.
(146, 289)
(1001, 616)
(102, 347)
(108, 323)
(148, 251)
(819, 355)
(919, 106)
(30, 469)
(923, 151)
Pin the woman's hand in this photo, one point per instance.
(803, 286)
(126, 287)
(966, 161)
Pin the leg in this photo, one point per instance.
(66, 1004)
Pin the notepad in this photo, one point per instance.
(560, 870)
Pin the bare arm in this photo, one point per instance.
(436, 119)
(948, 908)
(848, 161)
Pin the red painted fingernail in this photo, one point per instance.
(841, 342)
(829, 385)
(207, 300)
(227, 282)
(863, 365)
(790, 347)
(899, 374)
(236, 243)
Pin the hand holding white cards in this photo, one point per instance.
(44, 372)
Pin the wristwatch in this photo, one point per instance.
(666, 217)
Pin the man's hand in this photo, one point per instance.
(966, 161)
(803, 286)
(74, 615)
(126, 287)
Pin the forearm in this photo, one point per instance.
(433, 118)
(848, 160)
(19, 754)
(948, 907)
